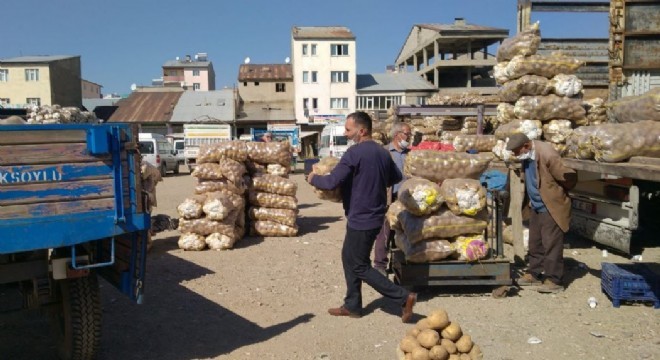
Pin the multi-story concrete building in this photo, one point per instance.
(40, 80)
(190, 73)
(90, 90)
(324, 73)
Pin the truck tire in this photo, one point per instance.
(176, 168)
(78, 321)
(163, 169)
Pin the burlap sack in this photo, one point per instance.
(565, 85)
(578, 143)
(619, 142)
(437, 166)
(270, 153)
(392, 214)
(636, 108)
(424, 251)
(190, 241)
(505, 113)
(596, 112)
(325, 167)
(442, 225)
(464, 196)
(420, 196)
(557, 131)
(546, 66)
(549, 107)
(282, 216)
(213, 153)
(204, 186)
(225, 169)
(274, 184)
(526, 85)
(271, 228)
(269, 200)
(531, 128)
(480, 143)
(191, 207)
(523, 43)
(207, 227)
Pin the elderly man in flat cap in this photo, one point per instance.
(547, 182)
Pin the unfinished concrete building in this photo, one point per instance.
(453, 57)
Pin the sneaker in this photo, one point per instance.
(528, 280)
(550, 287)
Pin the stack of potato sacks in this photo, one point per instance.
(433, 222)
(271, 194)
(540, 94)
(215, 215)
(435, 337)
(56, 114)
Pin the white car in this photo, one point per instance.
(157, 151)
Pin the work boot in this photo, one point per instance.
(550, 287)
(528, 280)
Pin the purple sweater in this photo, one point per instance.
(363, 173)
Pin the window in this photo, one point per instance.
(339, 49)
(306, 107)
(313, 49)
(4, 75)
(146, 147)
(305, 77)
(339, 103)
(195, 72)
(33, 101)
(5, 101)
(421, 100)
(377, 102)
(256, 83)
(164, 147)
(244, 83)
(339, 76)
(279, 87)
(31, 74)
(196, 86)
(315, 103)
(304, 49)
(314, 77)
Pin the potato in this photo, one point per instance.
(438, 353)
(464, 344)
(475, 353)
(423, 324)
(420, 353)
(449, 346)
(428, 338)
(438, 319)
(408, 343)
(413, 331)
(452, 332)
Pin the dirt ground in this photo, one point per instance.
(267, 299)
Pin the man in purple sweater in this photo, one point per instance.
(363, 173)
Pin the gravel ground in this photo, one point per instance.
(267, 299)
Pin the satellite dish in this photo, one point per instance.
(287, 60)
(247, 60)
(133, 87)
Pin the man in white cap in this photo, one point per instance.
(547, 182)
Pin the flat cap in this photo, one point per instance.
(516, 141)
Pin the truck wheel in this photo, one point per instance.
(163, 170)
(176, 168)
(78, 321)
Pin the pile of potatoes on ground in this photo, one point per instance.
(436, 338)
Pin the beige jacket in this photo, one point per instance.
(555, 180)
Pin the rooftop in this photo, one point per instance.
(392, 82)
(205, 106)
(251, 72)
(37, 58)
(321, 32)
(154, 107)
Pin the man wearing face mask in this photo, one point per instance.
(398, 149)
(547, 182)
(364, 173)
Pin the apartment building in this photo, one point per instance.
(324, 73)
(190, 73)
(90, 90)
(40, 80)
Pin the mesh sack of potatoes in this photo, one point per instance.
(505, 113)
(392, 214)
(207, 227)
(191, 207)
(218, 207)
(271, 228)
(546, 66)
(481, 143)
(449, 136)
(578, 143)
(526, 85)
(424, 130)
(636, 108)
(523, 43)
(237, 201)
(269, 200)
(436, 337)
(560, 148)
(235, 150)
(596, 111)
(437, 166)
(225, 169)
(532, 128)
(442, 225)
(325, 167)
(420, 196)
(549, 107)
(282, 216)
(557, 131)
(423, 251)
(274, 184)
(150, 178)
(270, 153)
(471, 247)
(619, 142)
(565, 85)
(218, 241)
(501, 152)
(464, 196)
(204, 186)
(278, 170)
(191, 242)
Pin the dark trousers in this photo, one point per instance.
(546, 247)
(357, 268)
(381, 246)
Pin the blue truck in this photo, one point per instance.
(71, 209)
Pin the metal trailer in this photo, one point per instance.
(71, 208)
(494, 270)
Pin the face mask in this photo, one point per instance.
(404, 144)
(526, 156)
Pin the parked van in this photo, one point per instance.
(180, 155)
(333, 141)
(157, 151)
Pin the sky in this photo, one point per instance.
(124, 42)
